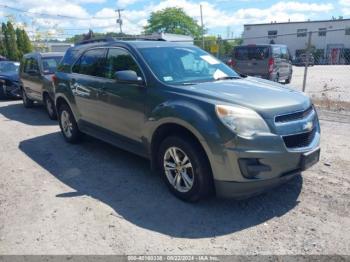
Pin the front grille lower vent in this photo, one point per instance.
(299, 140)
(293, 116)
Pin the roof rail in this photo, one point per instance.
(96, 40)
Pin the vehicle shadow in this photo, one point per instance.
(17, 112)
(125, 183)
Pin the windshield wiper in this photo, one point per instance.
(227, 78)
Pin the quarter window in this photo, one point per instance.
(91, 63)
(120, 60)
(276, 51)
(301, 32)
(284, 53)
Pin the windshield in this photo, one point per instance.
(181, 65)
(9, 67)
(50, 64)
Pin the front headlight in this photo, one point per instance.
(242, 121)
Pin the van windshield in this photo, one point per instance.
(251, 52)
(185, 65)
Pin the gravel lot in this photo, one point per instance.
(328, 85)
(93, 198)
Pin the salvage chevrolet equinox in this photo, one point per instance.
(205, 128)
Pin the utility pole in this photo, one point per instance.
(307, 60)
(119, 20)
(202, 26)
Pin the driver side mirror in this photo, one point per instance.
(128, 76)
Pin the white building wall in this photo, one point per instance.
(336, 38)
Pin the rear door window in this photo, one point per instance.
(92, 62)
(252, 52)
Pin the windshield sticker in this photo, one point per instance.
(211, 60)
(167, 78)
(218, 74)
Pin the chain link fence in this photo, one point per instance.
(319, 60)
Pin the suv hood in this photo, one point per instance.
(13, 76)
(265, 97)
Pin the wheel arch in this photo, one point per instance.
(167, 129)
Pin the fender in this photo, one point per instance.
(194, 118)
(64, 91)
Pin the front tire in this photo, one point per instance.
(68, 125)
(185, 168)
(50, 107)
(27, 102)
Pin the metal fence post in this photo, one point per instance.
(307, 60)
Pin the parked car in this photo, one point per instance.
(301, 60)
(272, 62)
(9, 80)
(36, 74)
(204, 128)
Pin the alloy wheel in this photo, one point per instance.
(178, 169)
(67, 125)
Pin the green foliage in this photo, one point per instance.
(172, 20)
(27, 44)
(10, 42)
(225, 47)
(14, 42)
(19, 41)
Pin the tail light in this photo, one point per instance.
(54, 79)
(271, 65)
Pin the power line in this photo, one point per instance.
(53, 15)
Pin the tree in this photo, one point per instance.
(19, 40)
(3, 39)
(10, 42)
(172, 20)
(27, 44)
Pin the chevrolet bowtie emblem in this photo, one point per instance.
(308, 126)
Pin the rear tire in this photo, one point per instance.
(68, 125)
(189, 177)
(50, 107)
(27, 102)
(288, 80)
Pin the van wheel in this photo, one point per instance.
(288, 80)
(68, 125)
(185, 168)
(50, 107)
(277, 79)
(28, 103)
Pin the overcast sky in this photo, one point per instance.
(224, 17)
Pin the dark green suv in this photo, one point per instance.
(205, 128)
